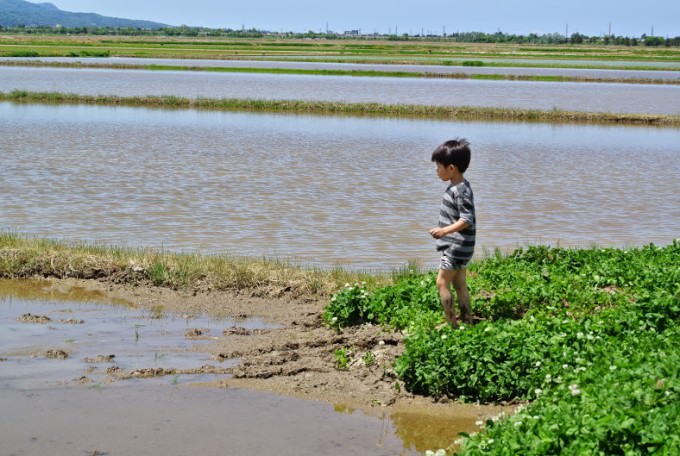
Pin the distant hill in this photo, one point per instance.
(15, 13)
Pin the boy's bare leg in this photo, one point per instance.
(463, 295)
(444, 279)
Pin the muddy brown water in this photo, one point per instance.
(140, 419)
(326, 191)
(589, 97)
(90, 333)
(70, 405)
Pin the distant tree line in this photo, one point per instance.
(465, 37)
(557, 38)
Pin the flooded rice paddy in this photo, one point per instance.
(509, 62)
(60, 350)
(325, 191)
(570, 96)
(605, 73)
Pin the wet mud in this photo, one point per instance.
(219, 342)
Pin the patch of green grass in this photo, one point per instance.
(355, 109)
(87, 53)
(368, 359)
(22, 257)
(342, 358)
(158, 272)
(22, 53)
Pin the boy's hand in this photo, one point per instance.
(437, 233)
(440, 232)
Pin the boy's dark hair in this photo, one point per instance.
(453, 152)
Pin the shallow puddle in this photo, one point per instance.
(50, 337)
(60, 350)
(142, 419)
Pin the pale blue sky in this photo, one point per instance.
(590, 17)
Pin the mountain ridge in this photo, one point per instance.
(17, 13)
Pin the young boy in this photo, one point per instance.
(455, 234)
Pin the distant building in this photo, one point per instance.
(351, 33)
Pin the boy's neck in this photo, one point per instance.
(457, 179)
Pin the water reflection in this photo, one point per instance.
(357, 192)
(432, 428)
(45, 290)
(427, 431)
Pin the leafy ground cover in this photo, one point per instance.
(588, 338)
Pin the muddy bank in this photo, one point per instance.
(294, 354)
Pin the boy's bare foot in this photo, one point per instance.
(466, 315)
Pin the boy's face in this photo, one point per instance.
(445, 173)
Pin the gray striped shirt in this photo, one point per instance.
(458, 203)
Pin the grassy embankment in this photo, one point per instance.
(356, 109)
(589, 337)
(25, 257)
(435, 52)
(341, 72)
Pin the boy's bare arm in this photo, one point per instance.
(459, 225)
